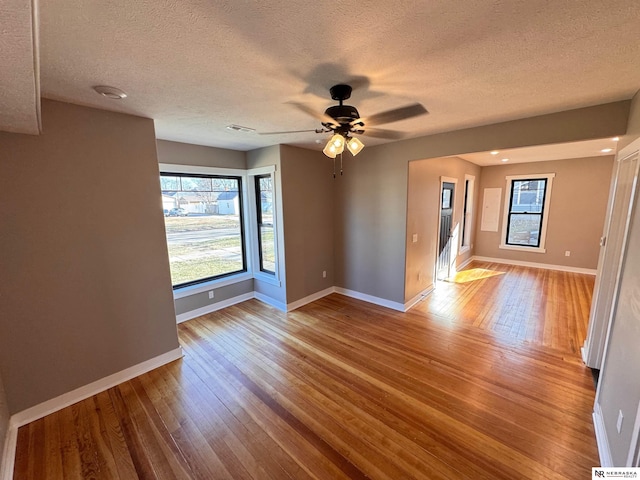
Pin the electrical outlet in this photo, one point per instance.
(211, 294)
(567, 253)
(324, 274)
(619, 422)
(415, 238)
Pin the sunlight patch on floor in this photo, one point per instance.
(472, 275)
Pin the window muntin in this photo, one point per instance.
(204, 226)
(526, 209)
(264, 215)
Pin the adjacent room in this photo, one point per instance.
(392, 240)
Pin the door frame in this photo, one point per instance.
(593, 351)
(454, 246)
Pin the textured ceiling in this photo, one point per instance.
(19, 93)
(196, 66)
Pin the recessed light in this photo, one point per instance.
(504, 160)
(494, 152)
(615, 139)
(606, 150)
(110, 92)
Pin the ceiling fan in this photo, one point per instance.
(345, 121)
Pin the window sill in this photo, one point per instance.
(523, 249)
(266, 278)
(210, 285)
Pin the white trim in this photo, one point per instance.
(175, 168)
(546, 266)
(465, 263)
(545, 211)
(267, 278)
(635, 438)
(35, 38)
(418, 298)
(270, 301)
(74, 396)
(467, 223)
(211, 285)
(261, 170)
(183, 317)
(370, 298)
(9, 452)
(310, 298)
(604, 452)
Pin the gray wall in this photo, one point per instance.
(187, 154)
(423, 217)
(620, 380)
(576, 213)
(371, 197)
(85, 282)
(307, 187)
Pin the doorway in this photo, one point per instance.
(446, 251)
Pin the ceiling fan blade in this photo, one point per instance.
(382, 133)
(394, 115)
(324, 118)
(317, 130)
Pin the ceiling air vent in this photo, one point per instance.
(240, 128)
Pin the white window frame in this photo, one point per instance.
(250, 227)
(467, 214)
(545, 212)
(273, 279)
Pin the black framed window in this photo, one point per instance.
(264, 215)
(204, 226)
(526, 212)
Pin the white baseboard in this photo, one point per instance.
(183, 317)
(418, 298)
(310, 298)
(546, 266)
(9, 452)
(465, 263)
(370, 298)
(74, 396)
(270, 301)
(58, 403)
(601, 437)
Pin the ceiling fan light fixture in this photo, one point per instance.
(330, 150)
(338, 141)
(354, 145)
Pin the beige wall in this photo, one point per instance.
(576, 213)
(371, 197)
(423, 208)
(85, 282)
(307, 194)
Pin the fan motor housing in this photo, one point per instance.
(343, 113)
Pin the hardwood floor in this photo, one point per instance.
(472, 383)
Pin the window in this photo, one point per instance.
(264, 215)
(467, 214)
(204, 226)
(526, 212)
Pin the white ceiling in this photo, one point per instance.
(196, 66)
(604, 147)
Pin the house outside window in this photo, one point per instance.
(525, 220)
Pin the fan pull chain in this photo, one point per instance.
(334, 167)
(340, 164)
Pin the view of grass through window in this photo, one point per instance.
(203, 222)
(264, 196)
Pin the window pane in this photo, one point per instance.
(528, 196)
(264, 194)
(204, 229)
(524, 229)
